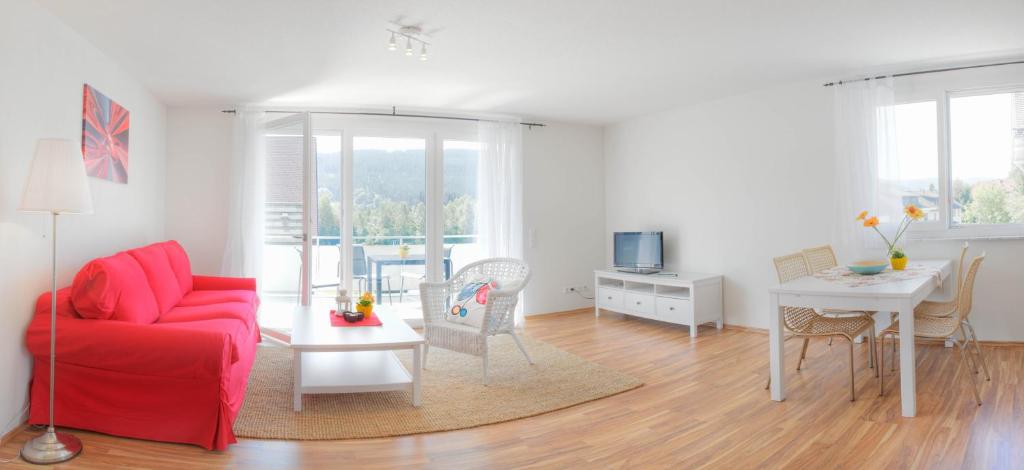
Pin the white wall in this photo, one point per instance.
(737, 181)
(563, 201)
(731, 182)
(564, 211)
(198, 153)
(45, 65)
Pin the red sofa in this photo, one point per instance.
(147, 350)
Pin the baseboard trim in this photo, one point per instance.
(748, 329)
(21, 426)
(564, 312)
(995, 344)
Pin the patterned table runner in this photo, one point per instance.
(843, 275)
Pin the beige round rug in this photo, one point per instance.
(453, 395)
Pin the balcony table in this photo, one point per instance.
(377, 262)
(896, 296)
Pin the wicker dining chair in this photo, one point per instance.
(944, 328)
(499, 313)
(821, 258)
(945, 309)
(806, 323)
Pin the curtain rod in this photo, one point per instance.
(394, 113)
(922, 72)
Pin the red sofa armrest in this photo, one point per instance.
(223, 283)
(154, 350)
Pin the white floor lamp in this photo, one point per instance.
(57, 184)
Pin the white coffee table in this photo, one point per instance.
(330, 359)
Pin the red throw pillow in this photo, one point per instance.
(114, 288)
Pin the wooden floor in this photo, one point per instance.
(703, 405)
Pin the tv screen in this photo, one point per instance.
(638, 250)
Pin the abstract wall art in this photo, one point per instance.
(104, 137)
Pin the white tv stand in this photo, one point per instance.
(686, 298)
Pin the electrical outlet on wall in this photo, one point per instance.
(572, 289)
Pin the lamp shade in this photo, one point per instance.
(57, 182)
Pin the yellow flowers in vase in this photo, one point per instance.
(897, 258)
(365, 305)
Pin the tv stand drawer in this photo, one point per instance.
(642, 304)
(674, 310)
(609, 298)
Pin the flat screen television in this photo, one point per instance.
(639, 252)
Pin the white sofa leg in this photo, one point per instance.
(521, 348)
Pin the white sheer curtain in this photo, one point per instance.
(500, 192)
(865, 149)
(244, 248)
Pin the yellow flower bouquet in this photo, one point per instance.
(897, 257)
(365, 305)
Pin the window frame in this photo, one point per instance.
(945, 228)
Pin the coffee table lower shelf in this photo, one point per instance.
(350, 372)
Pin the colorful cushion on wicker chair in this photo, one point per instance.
(470, 302)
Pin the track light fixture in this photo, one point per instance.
(412, 34)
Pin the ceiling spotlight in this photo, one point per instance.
(413, 35)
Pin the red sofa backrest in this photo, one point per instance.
(137, 285)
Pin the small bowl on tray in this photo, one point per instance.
(868, 268)
(352, 317)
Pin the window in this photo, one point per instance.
(987, 157)
(912, 177)
(958, 155)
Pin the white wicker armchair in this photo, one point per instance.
(499, 315)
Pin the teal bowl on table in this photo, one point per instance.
(868, 268)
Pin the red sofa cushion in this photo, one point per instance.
(162, 279)
(243, 312)
(179, 264)
(207, 297)
(114, 288)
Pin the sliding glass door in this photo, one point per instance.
(389, 218)
(284, 281)
(460, 182)
(373, 205)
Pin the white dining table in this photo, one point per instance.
(896, 296)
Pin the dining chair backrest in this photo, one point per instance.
(791, 267)
(966, 297)
(960, 269)
(358, 260)
(820, 258)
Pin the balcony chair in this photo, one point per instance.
(417, 277)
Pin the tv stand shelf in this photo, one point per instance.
(683, 298)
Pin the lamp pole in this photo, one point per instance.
(52, 446)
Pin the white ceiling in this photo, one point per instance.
(594, 61)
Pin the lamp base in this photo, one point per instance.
(51, 447)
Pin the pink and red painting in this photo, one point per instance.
(104, 137)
